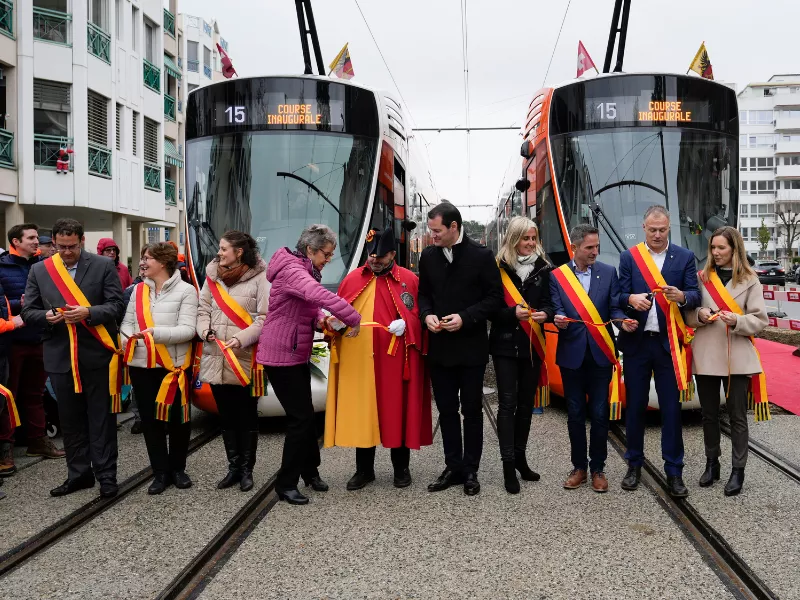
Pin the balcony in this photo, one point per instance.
(193, 65)
(207, 71)
(7, 18)
(52, 26)
(787, 148)
(788, 172)
(99, 160)
(152, 177)
(45, 150)
(99, 43)
(169, 107)
(789, 195)
(169, 23)
(169, 192)
(152, 76)
(6, 149)
(787, 124)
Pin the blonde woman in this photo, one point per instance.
(732, 310)
(525, 271)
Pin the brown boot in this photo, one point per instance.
(7, 466)
(576, 479)
(44, 446)
(599, 482)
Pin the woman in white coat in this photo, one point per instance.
(159, 326)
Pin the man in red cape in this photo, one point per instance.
(378, 386)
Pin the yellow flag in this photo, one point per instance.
(341, 66)
(702, 64)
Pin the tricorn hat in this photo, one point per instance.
(380, 243)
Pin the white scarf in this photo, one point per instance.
(525, 264)
(448, 252)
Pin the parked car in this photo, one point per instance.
(770, 272)
(797, 274)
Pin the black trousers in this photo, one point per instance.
(454, 386)
(88, 426)
(301, 456)
(163, 459)
(517, 380)
(708, 390)
(238, 410)
(365, 459)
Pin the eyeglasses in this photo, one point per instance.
(71, 248)
(327, 255)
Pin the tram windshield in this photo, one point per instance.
(274, 184)
(618, 174)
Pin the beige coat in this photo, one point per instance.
(710, 345)
(252, 294)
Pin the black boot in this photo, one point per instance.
(632, 478)
(250, 440)
(510, 477)
(521, 465)
(711, 474)
(736, 481)
(234, 460)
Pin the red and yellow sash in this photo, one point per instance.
(757, 394)
(588, 311)
(158, 356)
(535, 335)
(678, 334)
(73, 295)
(13, 415)
(242, 319)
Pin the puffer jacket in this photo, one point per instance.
(125, 278)
(174, 312)
(295, 301)
(251, 292)
(14, 271)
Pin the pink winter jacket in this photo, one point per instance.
(295, 299)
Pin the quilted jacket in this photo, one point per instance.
(174, 312)
(251, 292)
(14, 276)
(295, 301)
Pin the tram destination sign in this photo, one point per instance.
(636, 109)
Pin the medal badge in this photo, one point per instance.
(407, 299)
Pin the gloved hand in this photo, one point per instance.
(397, 327)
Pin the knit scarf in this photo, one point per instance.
(525, 264)
(230, 276)
(315, 272)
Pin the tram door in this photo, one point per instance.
(400, 237)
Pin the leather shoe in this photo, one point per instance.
(711, 474)
(160, 483)
(471, 485)
(445, 480)
(360, 480)
(136, 428)
(108, 488)
(73, 485)
(317, 484)
(599, 482)
(576, 479)
(402, 479)
(736, 481)
(293, 497)
(632, 478)
(181, 480)
(676, 487)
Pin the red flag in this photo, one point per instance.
(585, 61)
(227, 67)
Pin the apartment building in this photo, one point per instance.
(203, 63)
(769, 151)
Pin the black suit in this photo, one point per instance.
(90, 429)
(470, 287)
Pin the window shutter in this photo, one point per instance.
(51, 95)
(135, 136)
(150, 141)
(119, 127)
(98, 119)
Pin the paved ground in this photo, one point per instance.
(781, 434)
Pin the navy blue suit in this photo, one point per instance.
(585, 369)
(645, 354)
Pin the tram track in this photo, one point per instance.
(767, 454)
(42, 540)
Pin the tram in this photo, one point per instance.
(603, 150)
(271, 155)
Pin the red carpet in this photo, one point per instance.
(783, 374)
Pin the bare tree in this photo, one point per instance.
(787, 215)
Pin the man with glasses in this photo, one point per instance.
(76, 297)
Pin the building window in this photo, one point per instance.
(135, 136)
(743, 164)
(150, 40)
(150, 141)
(744, 209)
(51, 104)
(744, 231)
(135, 28)
(98, 119)
(762, 187)
(119, 18)
(743, 141)
(192, 60)
(119, 126)
(744, 186)
(791, 160)
(207, 62)
(153, 235)
(743, 117)
(764, 209)
(98, 13)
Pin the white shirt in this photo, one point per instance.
(652, 317)
(448, 252)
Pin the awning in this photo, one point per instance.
(171, 67)
(171, 154)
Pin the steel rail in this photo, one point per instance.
(768, 455)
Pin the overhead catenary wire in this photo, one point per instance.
(465, 62)
(556, 44)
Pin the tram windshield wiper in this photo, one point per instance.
(601, 219)
(311, 186)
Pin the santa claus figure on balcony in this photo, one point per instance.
(62, 162)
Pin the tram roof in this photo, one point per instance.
(624, 74)
(303, 76)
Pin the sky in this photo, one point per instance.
(510, 43)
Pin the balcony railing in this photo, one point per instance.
(169, 23)
(152, 177)
(193, 65)
(51, 26)
(46, 147)
(152, 76)
(207, 29)
(99, 43)
(169, 107)
(7, 18)
(169, 192)
(99, 160)
(207, 71)
(6, 148)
